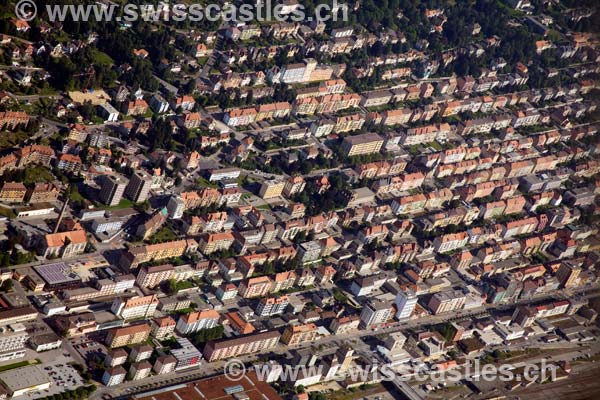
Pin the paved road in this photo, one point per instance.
(209, 369)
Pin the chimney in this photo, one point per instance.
(63, 208)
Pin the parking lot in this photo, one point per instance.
(87, 348)
(63, 376)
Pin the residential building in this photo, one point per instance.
(155, 252)
(447, 301)
(568, 274)
(213, 242)
(140, 370)
(152, 276)
(375, 312)
(12, 192)
(176, 207)
(255, 287)
(164, 364)
(271, 188)
(367, 143)
(112, 189)
(299, 334)
(132, 334)
(138, 188)
(135, 307)
(247, 344)
(140, 352)
(163, 327)
(114, 376)
(42, 192)
(115, 357)
(405, 301)
(197, 321)
(269, 306)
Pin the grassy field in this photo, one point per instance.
(18, 365)
(10, 139)
(101, 59)
(163, 235)
(124, 203)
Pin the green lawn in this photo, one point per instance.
(18, 365)
(11, 139)
(6, 212)
(101, 59)
(202, 181)
(124, 203)
(163, 235)
(435, 145)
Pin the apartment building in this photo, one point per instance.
(136, 107)
(12, 192)
(163, 327)
(164, 364)
(112, 190)
(247, 344)
(271, 188)
(189, 120)
(196, 321)
(375, 312)
(240, 116)
(212, 222)
(269, 306)
(446, 301)
(175, 207)
(10, 120)
(42, 192)
(293, 186)
(405, 302)
(138, 188)
(152, 225)
(137, 255)
(152, 276)
(115, 357)
(140, 352)
(135, 307)
(255, 287)
(568, 274)
(425, 134)
(367, 143)
(114, 376)
(298, 334)
(343, 325)
(69, 163)
(132, 334)
(450, 242)
(140, 370)
(213, 242)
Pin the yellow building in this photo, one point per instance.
(132, 334)
(368, 143)
(298, 334)
(271, 188)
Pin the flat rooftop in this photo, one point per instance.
(215, 388)
(57, 273)
(23, 378)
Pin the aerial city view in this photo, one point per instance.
(299, 200)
